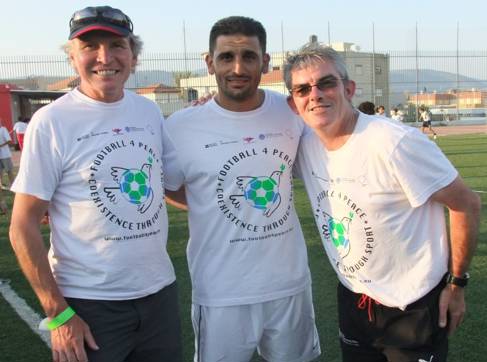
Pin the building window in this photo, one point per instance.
(192, 94)
(359, 70)
(378, 69)
(378, 92)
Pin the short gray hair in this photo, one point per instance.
(310, 54)
(136, 45)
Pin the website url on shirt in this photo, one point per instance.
(131, 237)
(262, 237)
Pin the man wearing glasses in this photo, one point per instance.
(381, 218)
(94, 160)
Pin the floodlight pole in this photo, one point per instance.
(185, 50)
(329, 36)
(374, 91)
(417, 75)
(458, 70)
(282, 53)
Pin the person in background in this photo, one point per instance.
(425, 118)
(381, 111)
(397, 115)
(366, 107)
(246, 255)
(94, 158)
(19, 128)
(6, 165)
(379, 207)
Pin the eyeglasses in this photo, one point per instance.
(104, 13)
(303, 90)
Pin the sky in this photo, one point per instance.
(29, 27)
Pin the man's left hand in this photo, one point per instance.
(452, 307)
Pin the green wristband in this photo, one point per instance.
(61, 318)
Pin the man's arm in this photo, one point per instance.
(464, 212)
(26, 239)
(7, 138)
(177, 198)
(8, 142)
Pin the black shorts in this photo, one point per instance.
(145, 329)
(427, 124)
(376, 333)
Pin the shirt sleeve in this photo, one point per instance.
(40, 168)
(421, 167)
(6, 135)
(173, 174)
(300, 159)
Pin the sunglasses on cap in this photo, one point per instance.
(327, 82)
(103, 15)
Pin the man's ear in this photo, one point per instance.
(265, 63)
(71, 62)
(350, 87)
(291, 104)
(209, 63)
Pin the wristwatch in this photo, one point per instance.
(458, 281)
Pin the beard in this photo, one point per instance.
(238, 94)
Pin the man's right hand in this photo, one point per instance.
(203, 99)
(68, 341)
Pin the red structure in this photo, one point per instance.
(6, 104)
(16, 102)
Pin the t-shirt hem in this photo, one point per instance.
(226, 302)
(82, 293)
(171, 187)
(39, 195)
(394, 301)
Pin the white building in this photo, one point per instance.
(167, 98)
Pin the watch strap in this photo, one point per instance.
(458, 281)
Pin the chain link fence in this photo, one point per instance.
(453, 85)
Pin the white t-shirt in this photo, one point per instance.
(397, 117)
(246, 244)
(426, 116)
(100, 166)
(20, 127)
(371, 203)
(5, 149)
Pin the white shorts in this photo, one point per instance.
(282, 330)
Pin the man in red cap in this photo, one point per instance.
(94, 160)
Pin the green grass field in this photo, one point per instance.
(468, 154)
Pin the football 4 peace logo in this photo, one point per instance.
(337, 231)
(260, 192)
(134, 186)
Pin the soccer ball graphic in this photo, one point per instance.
(261, 191)
(337, 233)
(134, 186)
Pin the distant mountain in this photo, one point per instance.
(139, 79)
(33, 82)
(403, 81)
(144, 78)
